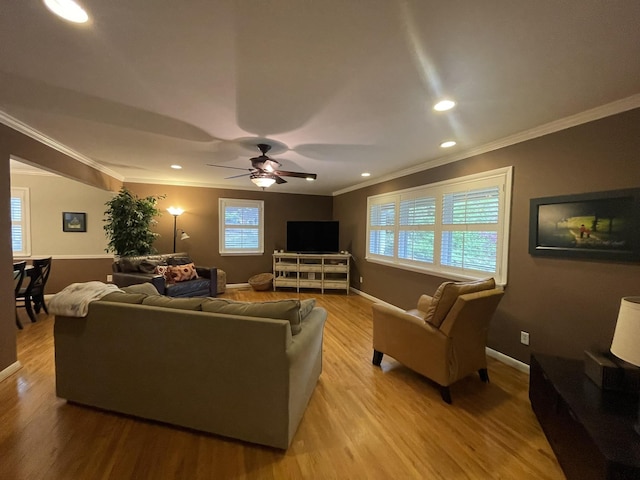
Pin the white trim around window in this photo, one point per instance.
(241, 226)
(20, 222)
(457, 228)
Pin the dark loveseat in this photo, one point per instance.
(134, 270)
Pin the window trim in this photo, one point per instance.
(223, 203)
(23, 194)
(501, 177)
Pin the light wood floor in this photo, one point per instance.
(362, 422)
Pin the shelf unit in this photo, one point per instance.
(307, 270)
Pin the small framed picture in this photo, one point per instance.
(74, 222)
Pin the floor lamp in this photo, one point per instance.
(176, 212)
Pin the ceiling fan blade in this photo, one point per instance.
(238, 176)
(279, 180)
(224, 166)
(295, 174)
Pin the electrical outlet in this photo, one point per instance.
(109, 278)
(524, 338)
(360, 279)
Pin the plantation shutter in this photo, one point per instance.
(243, 230)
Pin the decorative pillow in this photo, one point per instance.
(193, 303)
(163, 270)
(182, 273)
(279, 309)
(448, 293)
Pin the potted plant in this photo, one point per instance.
(128, 223)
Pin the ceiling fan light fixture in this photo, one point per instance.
(444, 105)
(263, 180)
(67, 9)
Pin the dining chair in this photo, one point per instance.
(32, 295)
(18, 277)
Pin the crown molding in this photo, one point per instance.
(587, 116)
(30, 132)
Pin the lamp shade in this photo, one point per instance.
(175, 211)
(626, 338)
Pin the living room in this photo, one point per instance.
(565, 305)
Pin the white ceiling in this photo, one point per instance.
(338, 87)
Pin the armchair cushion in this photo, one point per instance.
(448, 293)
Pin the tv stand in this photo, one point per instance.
(325, 271)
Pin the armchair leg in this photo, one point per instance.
(377, 358)
(445, 393)
(484, 375)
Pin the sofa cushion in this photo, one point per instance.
(170, 302)
(278, 309)
(149, 265)
(179, 259)
(306, 306)
(448, 293)
(145, 288)
(121, 297)
(182, 273)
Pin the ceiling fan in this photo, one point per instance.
(264, 170)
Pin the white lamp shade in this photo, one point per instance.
(263, 181)
(184, 236)
(626, 338)
(175, 211)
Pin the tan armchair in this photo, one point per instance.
(444, 339)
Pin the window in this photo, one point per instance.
(20, 233)
(241, 227)
(458, 228)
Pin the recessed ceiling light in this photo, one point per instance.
(365, 174)
(176, 167)
(447, 144)
(444, 105)
(310, 179)
(67, 9)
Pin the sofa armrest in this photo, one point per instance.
(212, 274)
(126, 279)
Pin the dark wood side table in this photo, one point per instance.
(590, 430)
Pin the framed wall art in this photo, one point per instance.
(74, 222)
(600, 225)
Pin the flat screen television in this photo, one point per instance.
(313, 236)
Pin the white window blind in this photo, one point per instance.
(458, 227)
(20, 232)
(241, 227)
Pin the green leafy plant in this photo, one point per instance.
(128, 223)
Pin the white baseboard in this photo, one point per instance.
(238, 285)
(512, 362)
(10, 370)
(501, 357)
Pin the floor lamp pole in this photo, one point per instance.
(175, 225)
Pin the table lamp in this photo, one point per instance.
(626, 338)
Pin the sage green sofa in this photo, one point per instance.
(186, 362)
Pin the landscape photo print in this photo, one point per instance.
(603, 225)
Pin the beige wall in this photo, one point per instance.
(49, 196)
(566, 305)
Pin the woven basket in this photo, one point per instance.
(261, 282)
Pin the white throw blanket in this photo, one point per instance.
(74, 300)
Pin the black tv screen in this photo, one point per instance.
(313, 236)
